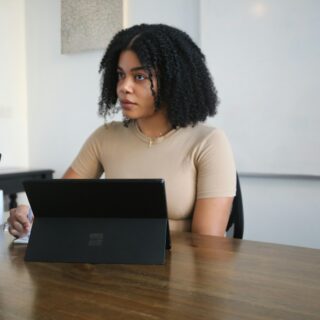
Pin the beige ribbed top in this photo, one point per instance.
(195, 162)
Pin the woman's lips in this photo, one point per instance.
(127, 104)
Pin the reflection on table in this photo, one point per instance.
(204, 278)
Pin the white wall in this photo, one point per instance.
(264, 55)
(13, 94)
(183, 14)
(282, 210)
(63, 91)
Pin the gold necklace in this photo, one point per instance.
(152, 139)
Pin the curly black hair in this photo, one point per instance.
(184, 82)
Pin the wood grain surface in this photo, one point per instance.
(204, 278)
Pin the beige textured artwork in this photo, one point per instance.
(89, 25)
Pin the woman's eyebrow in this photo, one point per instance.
(139, 68)
(135, 68)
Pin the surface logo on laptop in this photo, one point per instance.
(95, 239)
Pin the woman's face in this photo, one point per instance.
(133, 87)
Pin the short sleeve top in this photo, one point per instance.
(195, 162)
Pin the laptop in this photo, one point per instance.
(122, 221)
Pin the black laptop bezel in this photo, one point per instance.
(39, 197)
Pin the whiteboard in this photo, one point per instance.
(265, 60)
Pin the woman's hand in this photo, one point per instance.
(18, 221)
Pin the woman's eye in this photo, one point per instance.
(140, 77)
(120, 74)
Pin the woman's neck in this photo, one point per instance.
(154, 127)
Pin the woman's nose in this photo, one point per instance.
(126, 85)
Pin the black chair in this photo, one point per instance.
(236, 221)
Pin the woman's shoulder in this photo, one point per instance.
(203, 132)
(109, 127)
(203, 137)
(105, 131)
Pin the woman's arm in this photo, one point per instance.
(211, 216)
(19, 222)
(70, 174)
(216, 185)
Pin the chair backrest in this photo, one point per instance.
(236, 221)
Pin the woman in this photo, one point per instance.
(159, 77)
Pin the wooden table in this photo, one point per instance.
(11, 180)
(204, 278)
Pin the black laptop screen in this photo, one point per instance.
(118, 198)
